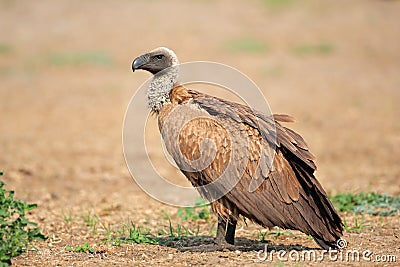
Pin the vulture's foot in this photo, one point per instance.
(224, 240)
(210, 248)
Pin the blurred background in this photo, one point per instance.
(66, 80)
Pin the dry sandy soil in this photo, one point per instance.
(65, 82)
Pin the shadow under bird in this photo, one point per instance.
(287, 194)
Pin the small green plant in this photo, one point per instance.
(246, 45)
(278, 4)
(90, 219)
(85, 248)
(182, 231)
(4, 48)
(202, 210)
(80, 58)
(131, 234)
(279, 232)
(311, 49)
(261, 236)
(16, 231)
(68, 217)
(138, 235)
(107, 228)
(275, 234)
(213, 229)
(358, 225)
(176, 233)
(166, 216)
(367, 203)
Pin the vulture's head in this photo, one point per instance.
(156, 60)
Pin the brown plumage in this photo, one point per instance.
(284, 193)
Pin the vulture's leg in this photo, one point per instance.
(226, 231)
(224, 240)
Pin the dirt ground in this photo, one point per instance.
(66, 80)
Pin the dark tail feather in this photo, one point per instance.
(328, 229)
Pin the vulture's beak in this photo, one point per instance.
(140, 61)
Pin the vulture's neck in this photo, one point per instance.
(160, 87)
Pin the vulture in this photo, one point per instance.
(277, 186)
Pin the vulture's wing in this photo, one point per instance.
(241, 143)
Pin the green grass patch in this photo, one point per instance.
(202, 210)
(80, 58)
(181, 231)
(68, 218)
(249, 45)
(275, 234)
(176, 233)
(85, 248)
(261, 236)
(357, 225)
(134, 234)
(5, 48)
(16, 231)
(277, 4)
(131, 234)
(367, 203)
(313, 49)
(90, 219)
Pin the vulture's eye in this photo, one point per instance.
(159, 56)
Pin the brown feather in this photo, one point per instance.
(284, 118)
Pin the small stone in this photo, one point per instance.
(224, 255)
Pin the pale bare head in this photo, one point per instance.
(156, 60)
